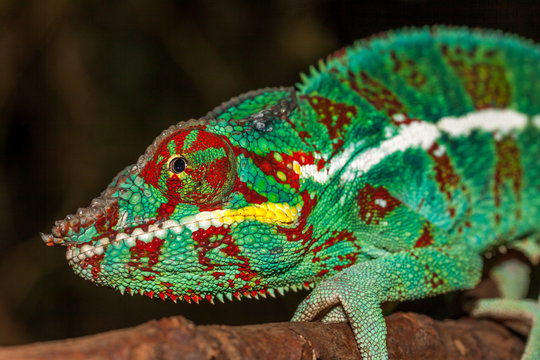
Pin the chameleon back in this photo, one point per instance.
(440, 123)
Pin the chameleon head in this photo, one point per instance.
(208, 211)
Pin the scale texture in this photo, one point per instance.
(383, 176)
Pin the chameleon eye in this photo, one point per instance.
(177, 165)
(192, 166)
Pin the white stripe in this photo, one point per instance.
(420, 134)
(311, 171)
(491, 120)
(417, 134)
(536, 121)
(337, 163)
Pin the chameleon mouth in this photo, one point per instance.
(274, 213)
(281, 214)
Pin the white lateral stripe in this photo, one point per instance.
(337, 163)
(536, 121)
(420, 134)
(311, 171)
(503, 121)
(417, 134)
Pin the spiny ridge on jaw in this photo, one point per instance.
(238, 295)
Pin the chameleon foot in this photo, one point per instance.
(356, 293)
(340, 299)
(335, 315)
(523, 309)
(511, 278)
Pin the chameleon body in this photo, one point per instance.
(384, 176)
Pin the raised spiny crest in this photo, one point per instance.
(342, 55)
(284, 106)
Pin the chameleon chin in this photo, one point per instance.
(383, 176)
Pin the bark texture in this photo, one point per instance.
(410, 336)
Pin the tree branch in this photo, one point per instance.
(410, 336)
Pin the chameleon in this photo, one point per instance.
(384, 175)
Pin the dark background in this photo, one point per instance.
(86, 85)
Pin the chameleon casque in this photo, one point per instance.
(383, 176)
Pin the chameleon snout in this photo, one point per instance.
(102, 214)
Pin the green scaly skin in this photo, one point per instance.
(383, 177)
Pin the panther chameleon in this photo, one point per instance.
(384, 175)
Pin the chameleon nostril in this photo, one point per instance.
(73, 220)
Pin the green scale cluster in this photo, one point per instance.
(384, 176)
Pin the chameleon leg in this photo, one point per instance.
(512, 278)
(525, 309)
(335, 315)
(360, 289)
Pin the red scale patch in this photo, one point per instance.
(337, 55)
(334, 115)
(483, 74)
(322, 273)
(251, 196)
(378, 95)
(349, 260)
(213, 237)
(218, 274)
(104, 222)
(95, 263)
(166, 209)
(434, 279)
(507, 168)
(375, 203)
(336, 237)
(426, 238)
(408, 70)
(445, 174)
(299, 232)
(145, 256)
(270, 166)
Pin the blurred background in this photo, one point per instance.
(86, 85)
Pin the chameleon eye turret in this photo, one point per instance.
(192, 166)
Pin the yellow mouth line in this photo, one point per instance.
(274, 213)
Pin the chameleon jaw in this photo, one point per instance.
(84, 256)
(273, 213)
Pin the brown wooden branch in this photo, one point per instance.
(410, 336)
